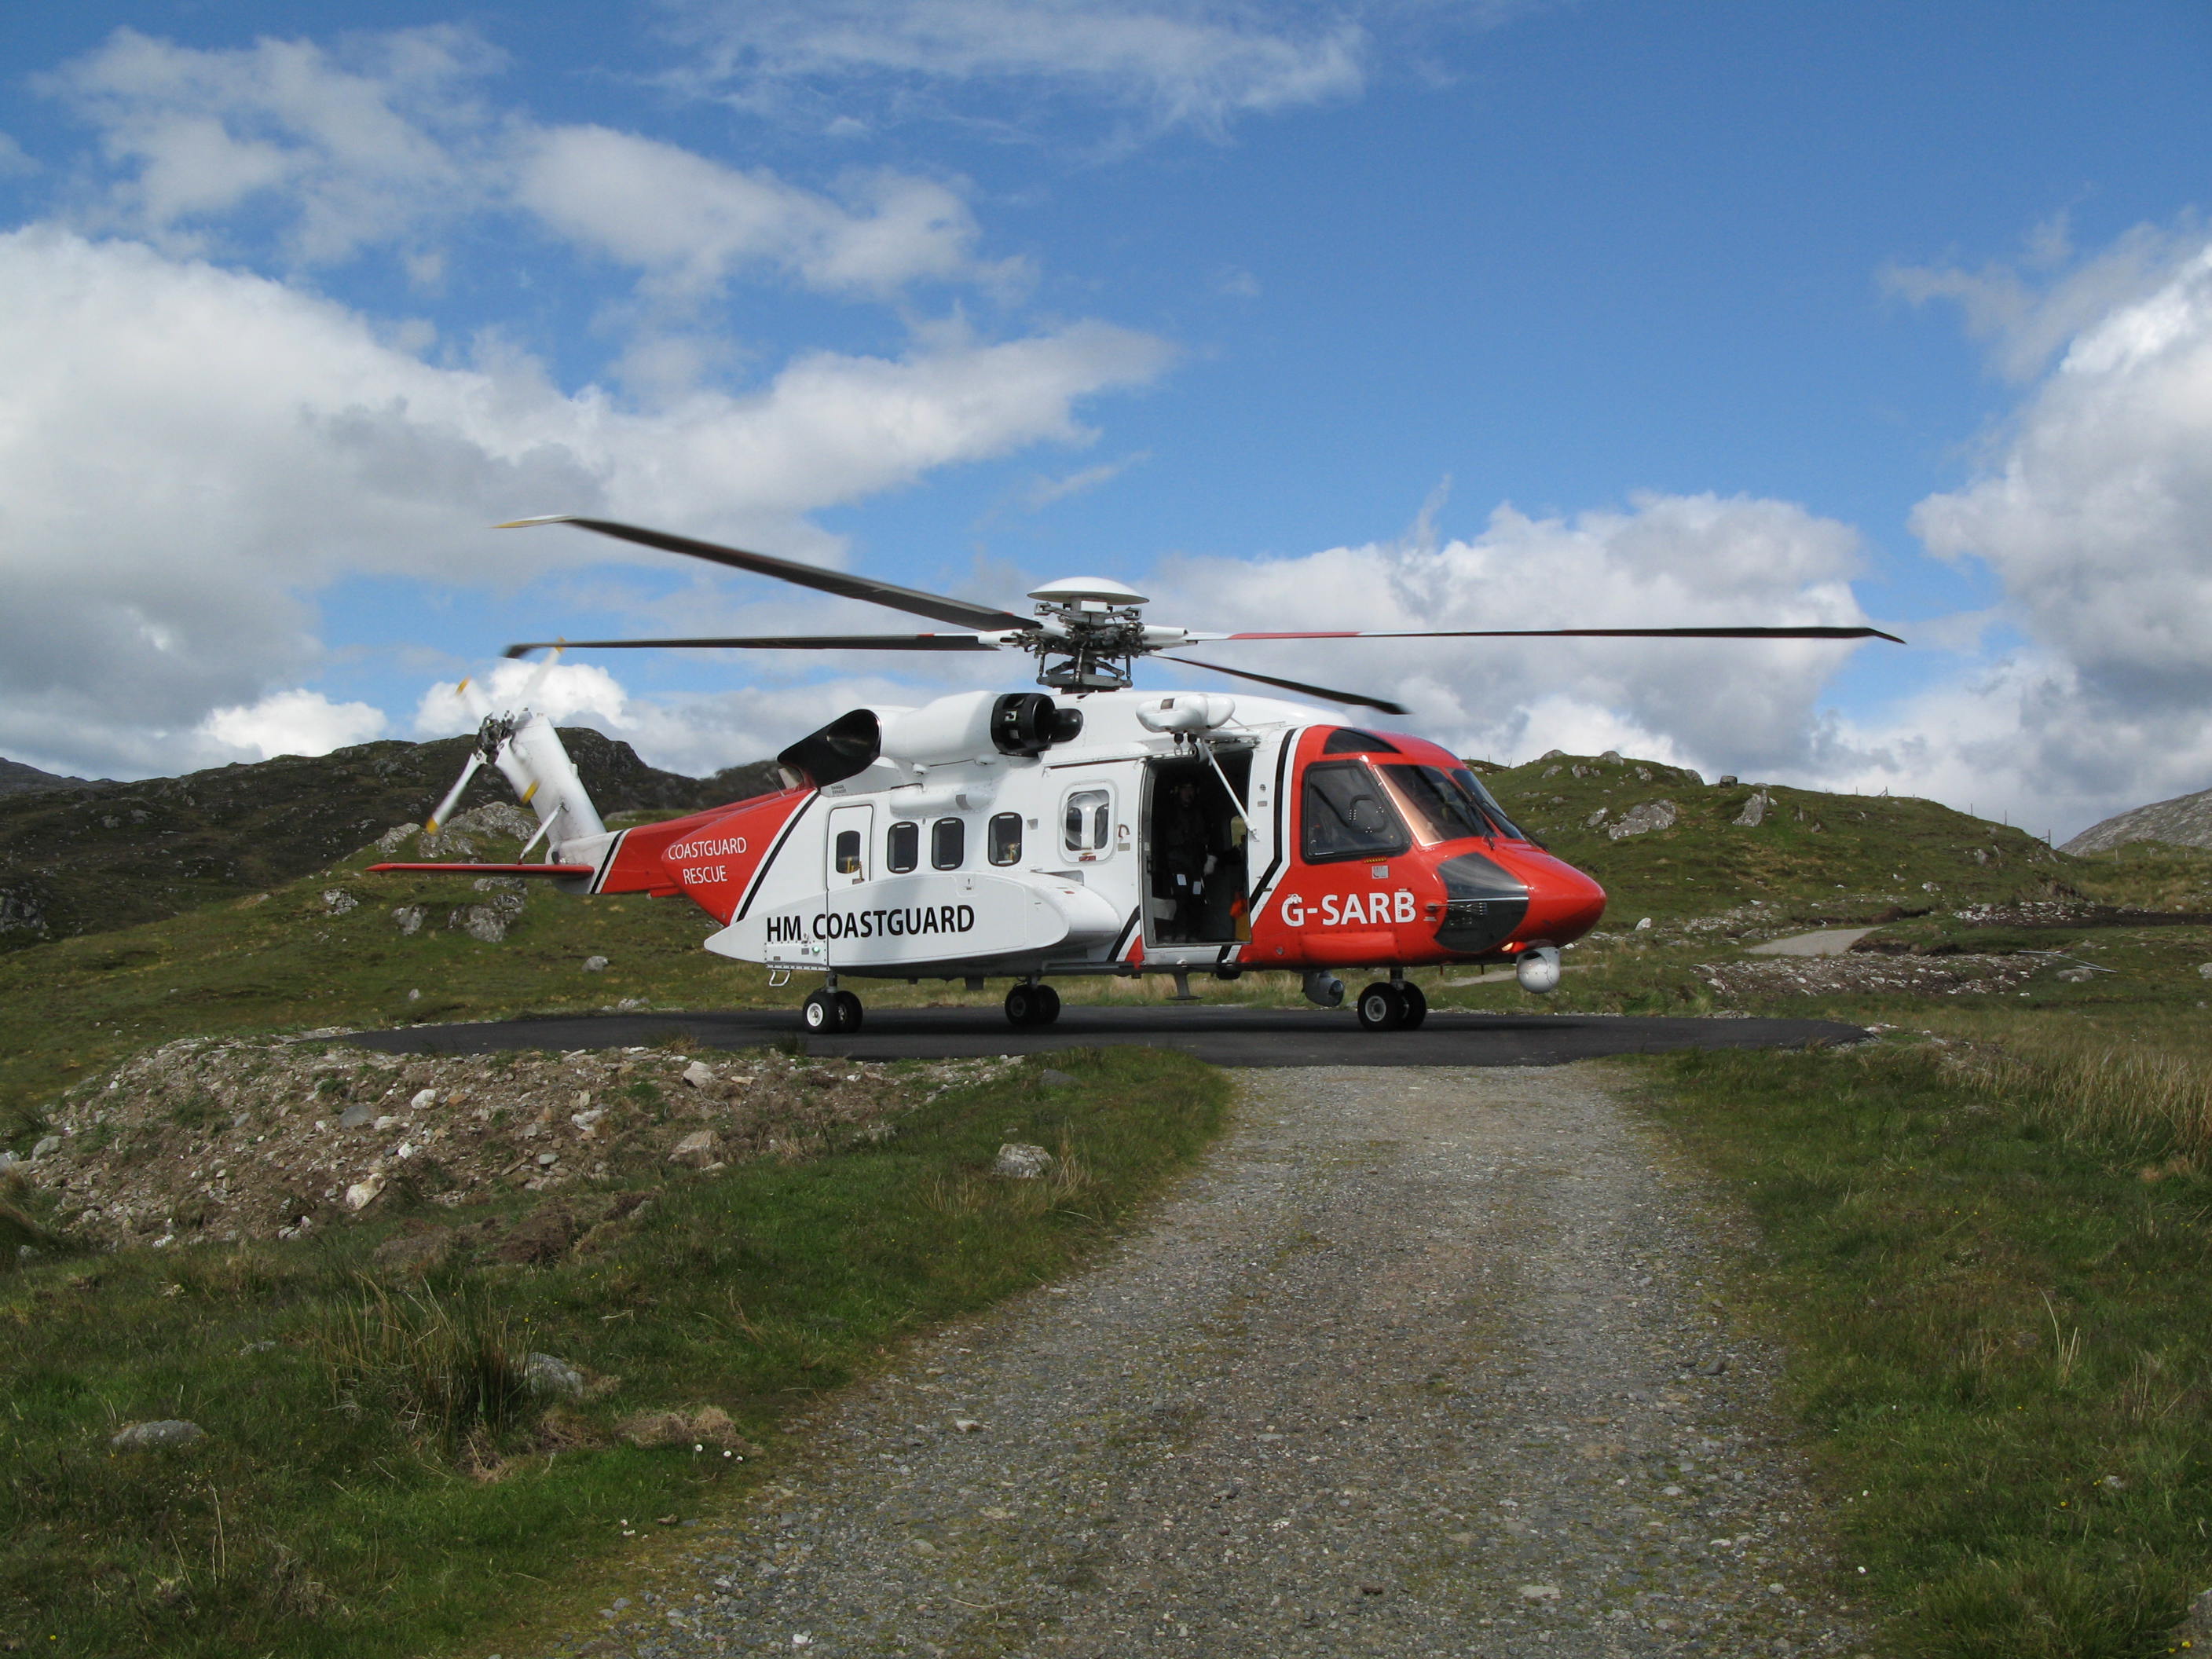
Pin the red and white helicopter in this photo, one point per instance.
(1090, 828)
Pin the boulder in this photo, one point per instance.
(336, 902)
(550, 1376)
(698, 1074)
(1019, 1161)
(45, 1146)
(1753, 813)
(698, 1149)
(362, 1193)
(410, 918)
(1642, 820)
(595, 964)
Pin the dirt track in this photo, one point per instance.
(1421, 1362)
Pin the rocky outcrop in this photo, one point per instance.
(2184, 821)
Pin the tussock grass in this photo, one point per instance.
(1988, 1263)
(451, 1364)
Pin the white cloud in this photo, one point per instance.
(691, 223)
(1669, 560)
(187, 454)
(361, 148)
(293, 723)
(1194, 63)
(388, 143)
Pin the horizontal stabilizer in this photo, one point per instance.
(569, 871)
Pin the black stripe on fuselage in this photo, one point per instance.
(760, 875)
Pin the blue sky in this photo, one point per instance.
(1407, 314)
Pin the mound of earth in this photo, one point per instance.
(1863, 974)
(221, 1141)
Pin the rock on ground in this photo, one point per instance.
(1419, 1362)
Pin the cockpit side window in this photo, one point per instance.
(1345, 814)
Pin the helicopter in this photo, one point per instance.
(1088, 828)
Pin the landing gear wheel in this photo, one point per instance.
(1416, 1007)
(1024, 1005)
(1048, 1005)
(848, 1013)
(818, 1014)
(1381, 1007)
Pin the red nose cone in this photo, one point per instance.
(1564, 903)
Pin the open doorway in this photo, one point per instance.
(1194, 848)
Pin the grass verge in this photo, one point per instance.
(1989, 1265)
(379, 1476)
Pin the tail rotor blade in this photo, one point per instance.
(469, 770)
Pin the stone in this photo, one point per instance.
(155, 1437)
(1644, 926)
(1539, 1592)
(1642, 820)
(336, 902)
(386, 1122)
(1715, 1365)
(966, 1426)
(392, 839)
(2205, 969)
(549, 1376)
(1754, 812)
(1595, 818)
(9, 1161)
(410, 918)
(698, 1149)
(1551, 754)
(485, 923)
(1019, 1161)
(2077, 975)
(1726, 780)
(1611, 757)
(423, 1098)
(357, 1116)
(1551, 771)
(45, 1146)
(1053, 1079)
(595, 964)
(2197, 1625)
(362, 1193)
(698, 1074)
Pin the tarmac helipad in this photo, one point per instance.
(1222, 1036)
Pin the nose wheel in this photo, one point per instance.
(1388, 1007)
(831, 1013)
(1032, 1005)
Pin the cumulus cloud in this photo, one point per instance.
(1666, 560)
(188, 453)
(2095, 513)
(1198, 63)
(296, 722)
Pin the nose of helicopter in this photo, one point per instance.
(1564, 903)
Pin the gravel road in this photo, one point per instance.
(1419, 1362)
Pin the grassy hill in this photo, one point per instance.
(1811, 857)
(88, 859)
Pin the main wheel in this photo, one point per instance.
(1022, 1004)
(848, 1013)
(1416, 1007)
(1381, 1007)
(1048, 1005)
(818, 1014)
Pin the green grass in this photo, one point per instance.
(1990, 1267)
(375, 1481)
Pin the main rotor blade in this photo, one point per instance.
(935, 606)
(1352, 697)
(1806, 633)
(772, 642)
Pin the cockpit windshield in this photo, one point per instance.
(1447, 805)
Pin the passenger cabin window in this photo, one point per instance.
(1005, 842)
(1087, 822)
(902, 848)
(848, 852)
(1346, 815)
(948, 843)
